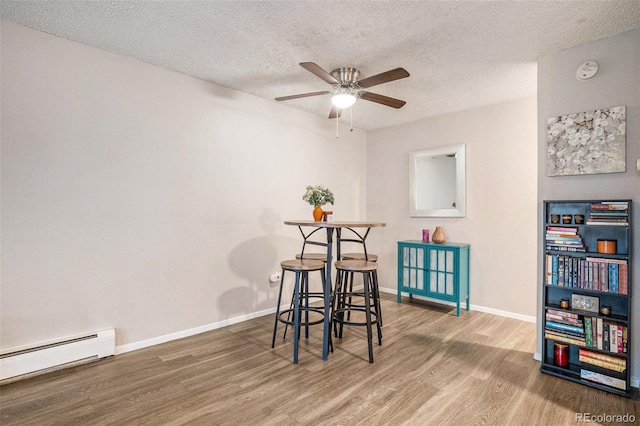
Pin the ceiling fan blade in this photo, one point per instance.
(317, 70)
(302, 95)
(381, 99)
(384, 77)
(335, 112)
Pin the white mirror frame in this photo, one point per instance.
(414, 184)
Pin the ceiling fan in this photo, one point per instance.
(347, 88)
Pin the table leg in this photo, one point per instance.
(327, 297)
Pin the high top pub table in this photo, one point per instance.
(360, 231)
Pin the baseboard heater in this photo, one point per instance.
(53, 354)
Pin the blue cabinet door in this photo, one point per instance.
(411, 269)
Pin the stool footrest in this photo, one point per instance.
(302, 323)
(337, 318)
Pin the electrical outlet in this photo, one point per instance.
(274, 278)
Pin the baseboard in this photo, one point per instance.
(190, 332)
(472, 307)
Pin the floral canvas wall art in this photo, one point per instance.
(587, 143)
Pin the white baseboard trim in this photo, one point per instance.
(472, 307)
(537, 356)
(190, 332)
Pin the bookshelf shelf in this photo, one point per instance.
(587, 293)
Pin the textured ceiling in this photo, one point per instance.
(461, 54)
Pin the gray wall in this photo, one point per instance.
(559, 92)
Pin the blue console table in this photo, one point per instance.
(437, 271)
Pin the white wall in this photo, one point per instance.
(146, 200)
(559, 92)
(501, 199)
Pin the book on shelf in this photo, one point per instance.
(568, 334)
(564, 314)
(562, 247)
(562, 319)
(603, 379)
(588, 336)
(565, 327)
(563, 339)
(605, 335)
(564, 239)
(602, 364)
(610, 205)
(562, 230)
(604, 357)
(599, 331)
(591, 273)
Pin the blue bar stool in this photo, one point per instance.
(371, 258)
(300, 302)
(346, 269)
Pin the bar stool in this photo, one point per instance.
(300, 302)
(371, 258)
(346, 269)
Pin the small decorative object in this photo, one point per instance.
(438, 235)
(561, 354)
(327, 216)
(605, 310)
(564, 303)
(425, 235)
(587, 143)
(566, 219)
(607, 246)
(585, 303)
(578, 219)
(555, 218)
(318, 196)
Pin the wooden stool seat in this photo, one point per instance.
(313, 256)
(356, 265)
(360, 256)
(301, 265)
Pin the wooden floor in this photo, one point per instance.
(432, 369)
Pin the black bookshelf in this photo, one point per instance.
(586, 319)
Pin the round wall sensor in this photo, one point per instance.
(587, 70)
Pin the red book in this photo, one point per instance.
(624, 278)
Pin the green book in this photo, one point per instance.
(587, 332)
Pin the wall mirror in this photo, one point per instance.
(437, 182)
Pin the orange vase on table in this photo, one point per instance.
(317, 214)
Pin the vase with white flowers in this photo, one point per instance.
(318, 196)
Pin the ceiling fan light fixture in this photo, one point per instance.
(343, 100)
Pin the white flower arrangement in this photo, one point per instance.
(318, 195)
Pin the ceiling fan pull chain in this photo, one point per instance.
(351, 111)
